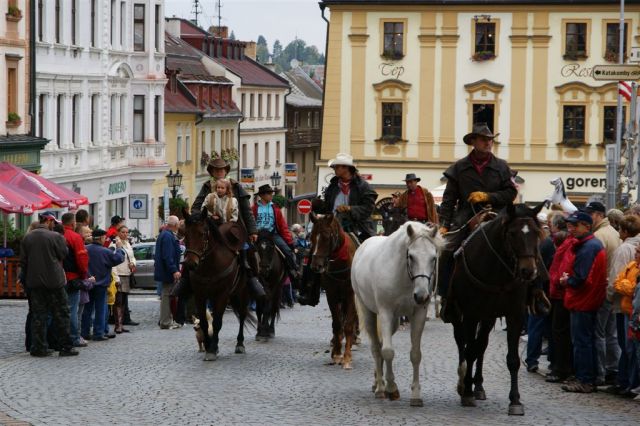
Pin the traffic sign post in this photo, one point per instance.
(138, 206)
(304, 206)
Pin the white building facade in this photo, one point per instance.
(99, 85)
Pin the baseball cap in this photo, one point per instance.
(97, 233)
(49, 216)
(595, 206)
(580, 216)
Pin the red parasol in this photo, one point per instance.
(12, 200)
(25, 181)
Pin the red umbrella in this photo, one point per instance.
(12, 200)
(24, 180)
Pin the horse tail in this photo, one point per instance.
(360, 308)
(250, 319)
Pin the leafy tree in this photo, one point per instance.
(262, 50)
(232, 36)
(277, 49)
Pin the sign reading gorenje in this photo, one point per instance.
(616, 72)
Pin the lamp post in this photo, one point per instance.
(275, 180)
(174, 180)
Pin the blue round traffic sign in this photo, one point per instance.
(137, 204)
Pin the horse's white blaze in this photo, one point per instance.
(525, 229)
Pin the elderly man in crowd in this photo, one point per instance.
(167, 268)
(417, 201)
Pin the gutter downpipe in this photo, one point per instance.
(324, 91)
(32, 65)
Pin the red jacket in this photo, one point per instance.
(76, 264)
(586, 289)
(562, 262)
(112, 233)
(281, 223)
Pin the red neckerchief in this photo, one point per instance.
(345, 187)
(479, 163)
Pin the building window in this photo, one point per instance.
(244, 155)
(74, 24)
(573, 125)
(41, 101)
(269, 106)
(316, 120)
(187, 145)
(138, 118)
(124, 134)
(57, 21)
(277, 153)
(576, 36)
(260, 106)
(308, 119)
(156, 117)
(392, 121)
(256, 159)
(113, 21)
(485, 40)
(296, 119)
(179, 148)
(610, 114)
(393, 40)
(40, 23)
(485, 114)
(267, 155)
(242, 101)
(212, 143)
(93, 23)
(123, 18)
(12, 87)
(94, 117)
(138, 27)
(251, 110)
(59, 104)
(74, 119)
(277, 108)
(613, 42)
(232, 140)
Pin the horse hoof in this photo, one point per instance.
(209, 356)
(271, 335)
(347, 366)
(240, 349)
(516, 410)
(479, 395)
(337, 360)
(393, 396)
(468, 401)
(416, 402)
(380, 395)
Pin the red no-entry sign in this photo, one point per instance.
(304, 206)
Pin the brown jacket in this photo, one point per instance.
(432, 214)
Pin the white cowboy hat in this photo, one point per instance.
(342, 160)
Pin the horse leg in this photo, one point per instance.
(418, 320)
(470, 354)
(218, 312)
(350, 321)
(201, 310)
(482, 342)
(336, 325)
(370, 322)
(514, 325)
(387, 325)
(458, 335)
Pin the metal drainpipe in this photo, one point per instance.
(32, 62)
(284, 122)
(324, 91)
(239, 150)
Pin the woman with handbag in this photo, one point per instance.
(124, 274)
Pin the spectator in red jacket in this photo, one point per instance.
(112, 232)
(586, 287)
(76, 268)
(269, 217)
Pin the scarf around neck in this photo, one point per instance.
(479, 163)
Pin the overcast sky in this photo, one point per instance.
(274, 19)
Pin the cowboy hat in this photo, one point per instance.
(479, 129)
(265, 189)
(342, 160)
(218, 163)
(412, 176)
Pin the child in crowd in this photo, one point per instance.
(221, 203)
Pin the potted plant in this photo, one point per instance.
(393, 55)
(611, 56)
(229, 155)
(204, 159)
(484, 55)
(13, 120)
(14, 13)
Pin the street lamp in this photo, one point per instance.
(275, 180)
(174, 180)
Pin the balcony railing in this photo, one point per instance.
(303, 138)
(147, 154)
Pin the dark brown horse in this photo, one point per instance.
(332, 252)
(272, 273)
(212, 260)
(493, 271)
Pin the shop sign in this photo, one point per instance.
(576, 70)
(117, 188)
(248, 179)
(290, 172)
(572, 183)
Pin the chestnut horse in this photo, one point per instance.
(332, 252)
(211, 258)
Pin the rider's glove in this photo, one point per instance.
(443, 230)
(343, 209)
(478, 197)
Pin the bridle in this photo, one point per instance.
(413, 276)
(205, 249)
(334, 247)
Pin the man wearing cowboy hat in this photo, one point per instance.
(417, 201)
(269, 217)
(473, 182)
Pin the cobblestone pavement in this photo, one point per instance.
(152, 376)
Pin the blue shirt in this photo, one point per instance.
(266, 219)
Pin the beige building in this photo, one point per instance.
(406, 80)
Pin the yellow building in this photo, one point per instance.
(406, 80)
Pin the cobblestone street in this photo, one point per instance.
(153, 376)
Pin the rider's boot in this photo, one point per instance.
(256, 290)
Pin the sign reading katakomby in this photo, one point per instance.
(616, 72)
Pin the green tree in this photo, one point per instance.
(232, 36)
(262, 50)
(277, 49)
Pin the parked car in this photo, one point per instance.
(144, 253)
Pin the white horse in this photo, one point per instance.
(395, 276)
(559, 196)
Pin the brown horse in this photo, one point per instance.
(272, 273)
(212, 260)
(332, 252)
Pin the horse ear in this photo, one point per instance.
(538, 208)
(410, 231)
(433, 232)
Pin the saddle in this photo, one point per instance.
(234, 235)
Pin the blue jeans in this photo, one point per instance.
(98, 303)
(585, 357)
(537, 328)
(73, 299)
(628, 364)
(286, 250)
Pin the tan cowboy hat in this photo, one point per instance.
(342, 159)
(218, 163)
(479, 129)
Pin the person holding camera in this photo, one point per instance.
(123, 273)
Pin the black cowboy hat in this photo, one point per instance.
(218, 163)
(265, 189)
(479, 129)
(411, 176)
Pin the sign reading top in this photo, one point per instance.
(616, 72)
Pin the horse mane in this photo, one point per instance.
(521, 212)
(401, 235)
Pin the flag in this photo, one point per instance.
(624, 89)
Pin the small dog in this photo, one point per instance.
(199, 332)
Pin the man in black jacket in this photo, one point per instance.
(473, 182)
(351, 198)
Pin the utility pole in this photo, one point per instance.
(219, 7)
(612, 185)
(196, 10)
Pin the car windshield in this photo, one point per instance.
(143, 252)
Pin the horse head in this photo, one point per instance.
(325, 239)
(266, 249)
(423, 248)
(522, 235)
(196, 236)
(559, 196)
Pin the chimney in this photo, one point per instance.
(270, 66)
(222, 32)
(250, 49)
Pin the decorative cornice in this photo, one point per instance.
(358, 38)
(398, 84)
(583, 87)
(483, 85)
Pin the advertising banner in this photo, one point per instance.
(290, 173)
(248, 179)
